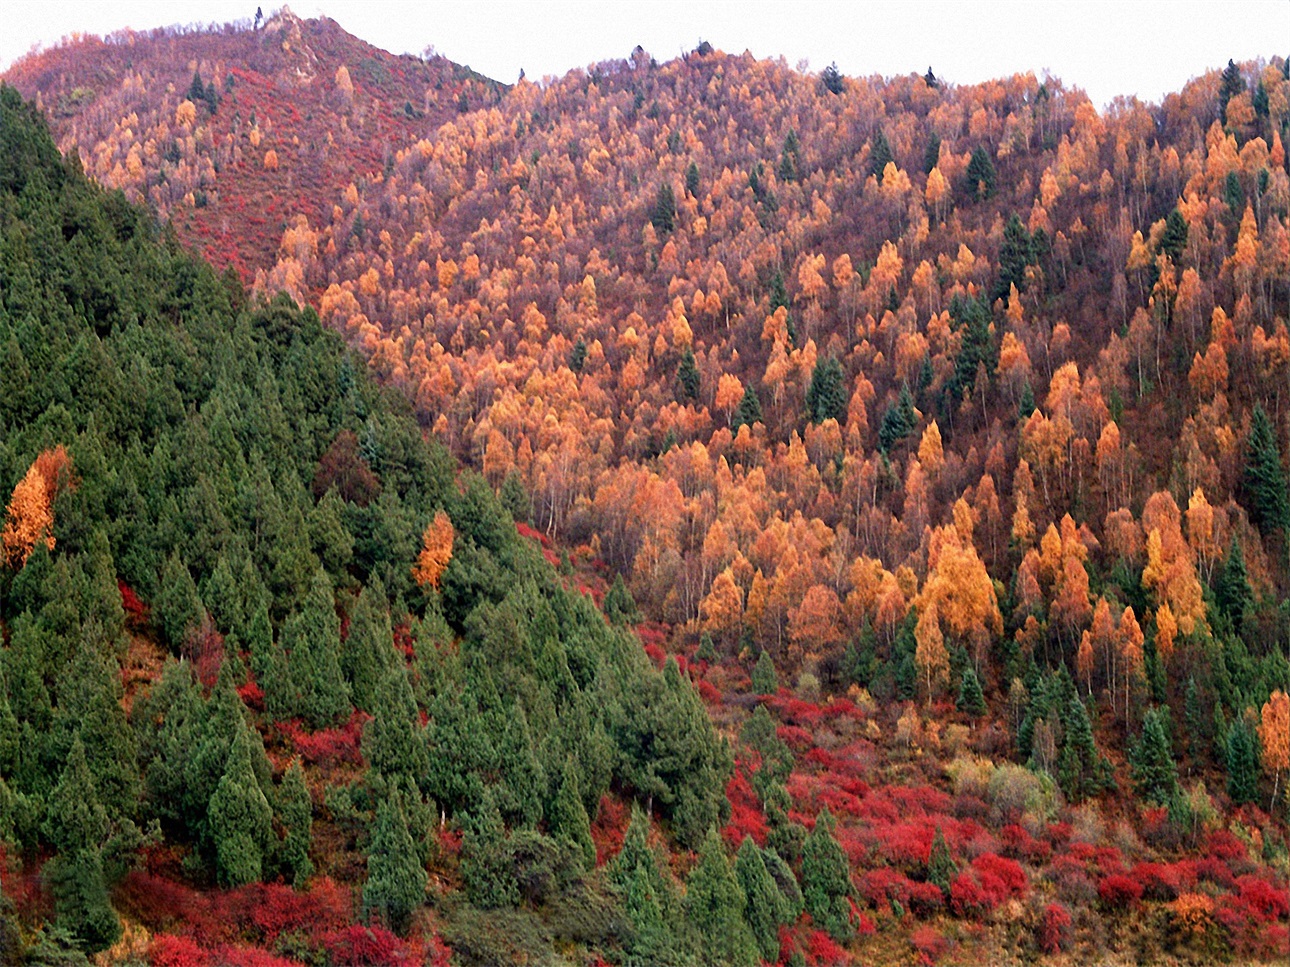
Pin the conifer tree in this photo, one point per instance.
(687, 375)
(393, 740)
(826, 397)
(568, 820)
(981, 175)
(826, 882)
(296, 810)
(765, 907)
(178, 607)
(1155, 775)
(971, 699)
(619, 605)
(748, 411)
(241, 820)
(77, 826)
(879, 154)
(1079, 766)
(367, 653)
(941, 867)
(1265, 479)
(764, 679)
(311, 638)
(1242, 756)
(396, 880)
(714, 904)
(486, 869)
(1232, 592)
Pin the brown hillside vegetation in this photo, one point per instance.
(287, 115)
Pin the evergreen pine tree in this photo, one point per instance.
(765, 908)
(649, 941)
(879, 154)
(177, 608)
(932, 153)
(241, 820)
(687, 375)
(826, 397)
(1016, 253)
(1155, 775)
(941, 867)
(514, 497)
(393, 740)
(1193, 718)
(981, 175)
(367, 654)
(707, 649)
(898, 421)
(74, 820)
(311, 638)
(1264, 479)
(663, 214)
(77, 826)
(486, 869)
(764, 679)
(831, 77)
(714, 904)
(1078, 763)
(578, 355)
(1230, 84)
(1174, 242)
(971, 699)
(396, 880)
(619, 606)
(1242, 763)
(826, 882)
(1232, 592)
(568, 820)
(692, 180)
(296, 811)
(748, 411)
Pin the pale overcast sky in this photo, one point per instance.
(1107, 47)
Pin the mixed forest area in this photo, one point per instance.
(688, 512)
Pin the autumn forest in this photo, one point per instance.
(699, 512)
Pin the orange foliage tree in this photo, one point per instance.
(436, 551)
(29, 518)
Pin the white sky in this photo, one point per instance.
(1107, 47)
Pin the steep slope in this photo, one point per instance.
(215, 496)
(287, 114)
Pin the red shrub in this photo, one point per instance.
(1055, 929)
(1119, 890)
(926, 899)
(359, 946)
(655, 654)
(821, 951)
(168, 950)
(130, 602)
(608, 828)
(1001, 878)
(882, 885)
(1020, 845)
(1225, 846)
(709, 692)
(1159, 882)
(1265, 899)
(966, 897)
(252, 696)
(929, 944)
(328, 747)
(908, 845)
(227, 956)
(795, 737)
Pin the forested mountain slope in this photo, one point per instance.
(218, 526)
(958, 411)
(230, 131)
